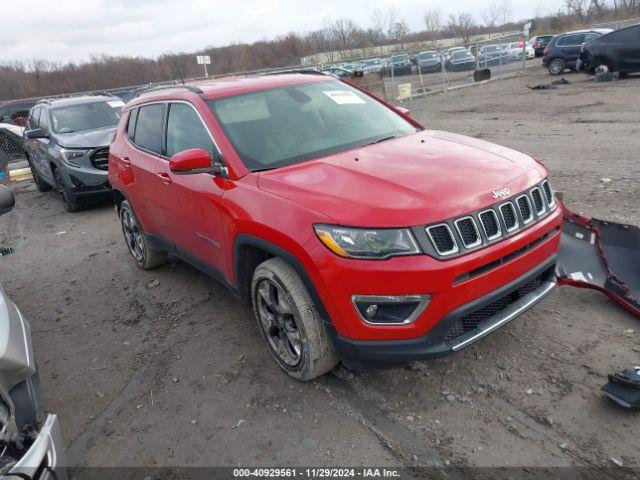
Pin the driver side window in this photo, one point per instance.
(185, 130)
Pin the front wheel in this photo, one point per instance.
(69, 200)
(290, 322)
(557, 66)
(145, 255)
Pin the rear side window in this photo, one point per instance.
(131, 126)
(185, 130)
(570, 40)
(628, 35)
(148, 134)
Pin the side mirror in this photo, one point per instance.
(195, 160)
(7, 200)
(37, 133)
(404, 111)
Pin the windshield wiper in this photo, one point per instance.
(384, 139)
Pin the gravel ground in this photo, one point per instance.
(164, 368)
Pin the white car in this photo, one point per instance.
(514, 51)
(31, 443)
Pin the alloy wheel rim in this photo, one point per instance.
(556, 66)
(278, 322)
(132, 235)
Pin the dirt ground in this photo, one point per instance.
(164, 368)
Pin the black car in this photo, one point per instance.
(539, 43)
(564, 49)
(401, 64)
(619, 51)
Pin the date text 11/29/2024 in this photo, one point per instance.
(321, 472)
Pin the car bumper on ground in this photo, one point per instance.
(45, 456)
(460, 328)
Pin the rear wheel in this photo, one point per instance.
(69, 200)
(145, 255)
(290, 322)
(557, 66)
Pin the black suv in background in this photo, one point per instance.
(564, 49)
(619, 51)
(67, 145)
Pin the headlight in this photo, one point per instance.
(367, 242)
(68, 156)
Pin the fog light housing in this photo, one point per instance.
(390, 309)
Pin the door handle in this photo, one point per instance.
(164, 176)
(125, 161)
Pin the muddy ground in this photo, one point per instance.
(164, 368)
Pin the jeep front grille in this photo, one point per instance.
(490, 224)
(442, 239)
(468, 231)
(459, 235)
(524, 205)
(509, 216)
(538, 202)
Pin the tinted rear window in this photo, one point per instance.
(148, 133)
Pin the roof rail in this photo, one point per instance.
(191, 88)
(304, 71)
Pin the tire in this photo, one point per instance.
(41, 185)
(557, 66)
(69, 200)
(290, 323)
(146, 256)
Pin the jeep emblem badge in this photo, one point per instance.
(504, 192)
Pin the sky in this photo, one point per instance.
(73, 30)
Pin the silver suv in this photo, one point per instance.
(67, 145)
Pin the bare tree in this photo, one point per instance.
(433, 22)
(379, 21)
(462, 25)
(505, 10)
(490, 15)
(343, 32)
(392, 17)
(578, 8)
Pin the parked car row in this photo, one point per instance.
(594, 49)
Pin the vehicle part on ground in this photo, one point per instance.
(624, 388)
(601, 255)
(289, 321)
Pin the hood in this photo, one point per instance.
(412, 180)
(90, 139)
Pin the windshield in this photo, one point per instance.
(460, 54)
(400, 58)
(89, 116)
(492, 48)
(369, 63)
(291, 124)
(427, 55)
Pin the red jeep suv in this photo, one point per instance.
(355, 234)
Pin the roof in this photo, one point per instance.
(231, 85)
(587, 30)
(80, 100)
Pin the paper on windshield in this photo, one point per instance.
(115, 103)
(343, 97)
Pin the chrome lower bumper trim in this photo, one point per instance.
(505, 316)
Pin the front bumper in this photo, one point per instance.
(460, 328)
(45, 455)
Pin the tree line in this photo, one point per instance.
(41, 77)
